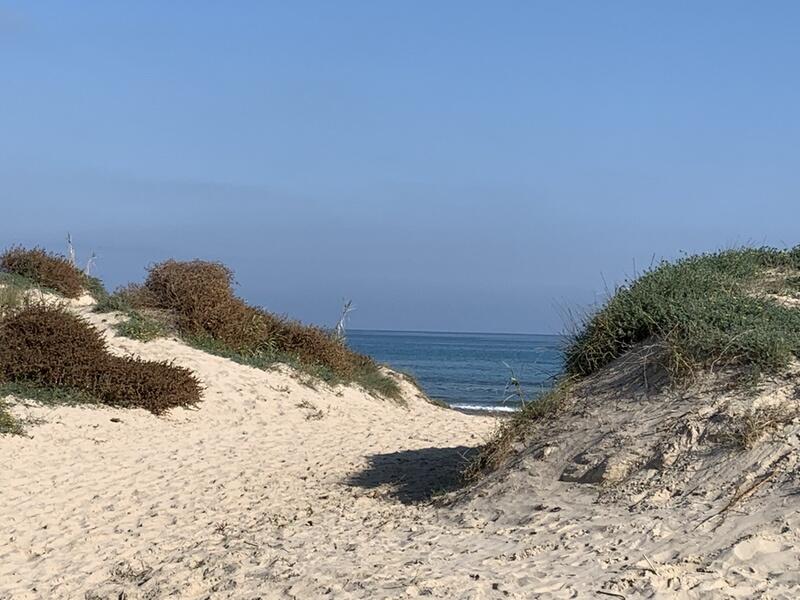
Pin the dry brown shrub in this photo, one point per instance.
(201, 296)
(135, 295)
(314, 345)
(155, 386)
(51, 347)
(47, 269)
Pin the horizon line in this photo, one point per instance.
(381, 330)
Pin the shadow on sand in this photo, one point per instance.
(415, 475)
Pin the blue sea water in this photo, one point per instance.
(468, 370)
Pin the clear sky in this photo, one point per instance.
(472, 166)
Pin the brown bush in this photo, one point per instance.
(51, 347)
(316, 346)
(155, 386)
(201, 296)
(47, 269)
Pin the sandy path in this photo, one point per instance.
(92, 504)
(271, 489)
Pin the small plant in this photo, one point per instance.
(340, 331)
(534, 411)
(314, 413)
(513, 389)
(8, 424)
(139, 327)
(744, 431)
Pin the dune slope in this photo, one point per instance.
(274, 489)
(268, 488)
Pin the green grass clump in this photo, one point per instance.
(47, 395)
(496, 451)
(140, 327)
(8, 424)
(706, 310)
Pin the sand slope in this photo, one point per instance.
(272, 489)
(268, 488)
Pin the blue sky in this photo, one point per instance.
(472, 166)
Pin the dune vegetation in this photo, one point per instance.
(195, 301)
(28, 268)
(61, 357)
(50, 354)
(736, 310)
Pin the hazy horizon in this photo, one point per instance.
(448, 167)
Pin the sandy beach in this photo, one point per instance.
(272, 488)
(243, 495)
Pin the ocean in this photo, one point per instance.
(468, 370)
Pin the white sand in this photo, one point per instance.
(271, 489)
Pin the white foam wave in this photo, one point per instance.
(490, 408)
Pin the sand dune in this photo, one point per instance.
(273, 489)
(99, 499)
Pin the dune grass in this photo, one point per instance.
(8, 424)
(704, 311)
(140, 327)
(700, 313)
(511, 431)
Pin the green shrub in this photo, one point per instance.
(50, 347)
(46, 269)
(703, 310)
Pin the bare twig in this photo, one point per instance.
(90, 264)
(70, 249)
(340, 329)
